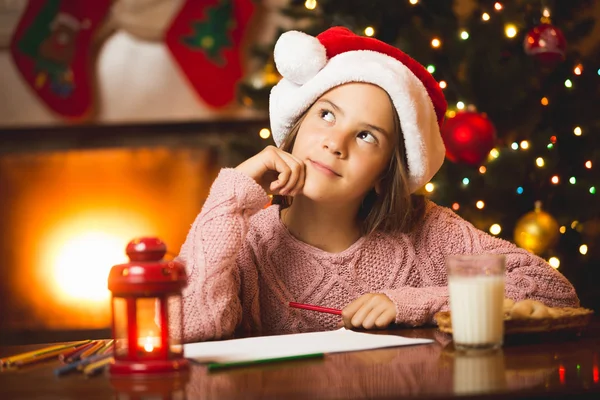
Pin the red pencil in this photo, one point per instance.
(316, 308)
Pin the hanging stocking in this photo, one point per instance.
(51, 49)
(205, 41)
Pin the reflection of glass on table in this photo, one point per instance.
(479, 372)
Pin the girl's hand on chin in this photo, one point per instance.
(277, 171)
(369, 311)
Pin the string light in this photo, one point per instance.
(553, 139)
(574, 224)
(562, 229)
(546, 12)
(544, 101)
(583, 249)
(572, 180)
(436, 43)
(464, 35)
(550, 146)
(369, 31)
(524, 144)
(451, 113)
(568, 83)
(264, 133)
(588, 164)
(485, 16)
(514, 146)
(430, 187)
(510, 31)
(539, 162)
(310, 4)
(495, 229)
(460, 105)
(455, 206)
(593, 190)
(494, 153)
(480, 204)
(578, 69)
(577, 131)
(555, 179)
(498, 6)
(465, 181)
(554, 262)
(431, 69)
(413, 2)
(482, 169)
(443, 84)
(520, 190)
(598, 71)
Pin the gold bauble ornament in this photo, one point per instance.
(537, 231)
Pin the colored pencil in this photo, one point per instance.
(97, 366)
(77, 355)
(235, 364)
(92, 350)
(65, 356)
(79, 365)
(316, 308)
(8, 361)
(45, 356)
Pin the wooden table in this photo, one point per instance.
(530, 367)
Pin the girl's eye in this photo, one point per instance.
(367, 137)
(327, 115)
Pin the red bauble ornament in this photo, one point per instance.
(469, 137)
(546, 43)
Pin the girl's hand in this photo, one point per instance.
(276, 171)
(372, 310)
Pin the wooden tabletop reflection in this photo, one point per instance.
(528, 366)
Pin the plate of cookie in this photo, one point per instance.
(532, 316)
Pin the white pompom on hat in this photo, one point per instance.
(310, 66)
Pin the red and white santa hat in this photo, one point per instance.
(310, 66)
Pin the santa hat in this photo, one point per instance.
(310, 66)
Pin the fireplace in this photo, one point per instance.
(70, 202)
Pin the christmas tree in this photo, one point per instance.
(522, 80)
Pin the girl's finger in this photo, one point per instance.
(295, 167)
(359, 318)
(350, 310)
(386, 318)
(370, 320)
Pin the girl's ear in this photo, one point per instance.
(378, 187)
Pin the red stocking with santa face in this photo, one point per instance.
(51, 48)
(205, 39)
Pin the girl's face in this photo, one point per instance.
(346, 141)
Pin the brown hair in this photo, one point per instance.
(393, 210)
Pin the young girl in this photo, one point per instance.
(357, 123)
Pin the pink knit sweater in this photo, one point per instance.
(244, 267)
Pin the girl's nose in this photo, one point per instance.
(336, 143)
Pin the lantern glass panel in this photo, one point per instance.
(120, 327)
(150, 339)
(175, 316)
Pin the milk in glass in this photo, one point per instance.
(476, 308)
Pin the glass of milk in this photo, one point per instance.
(476, 286)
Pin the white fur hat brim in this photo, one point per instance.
(423, 143)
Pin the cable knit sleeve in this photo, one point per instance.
(211, 303)
(445, 233)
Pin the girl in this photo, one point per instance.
(357, 123)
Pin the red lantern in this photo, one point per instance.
(546, 43)
(469, 137)
(147, 311)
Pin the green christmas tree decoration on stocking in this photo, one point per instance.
(51, 48)
(205, 40)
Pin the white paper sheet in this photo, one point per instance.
(267, 347)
